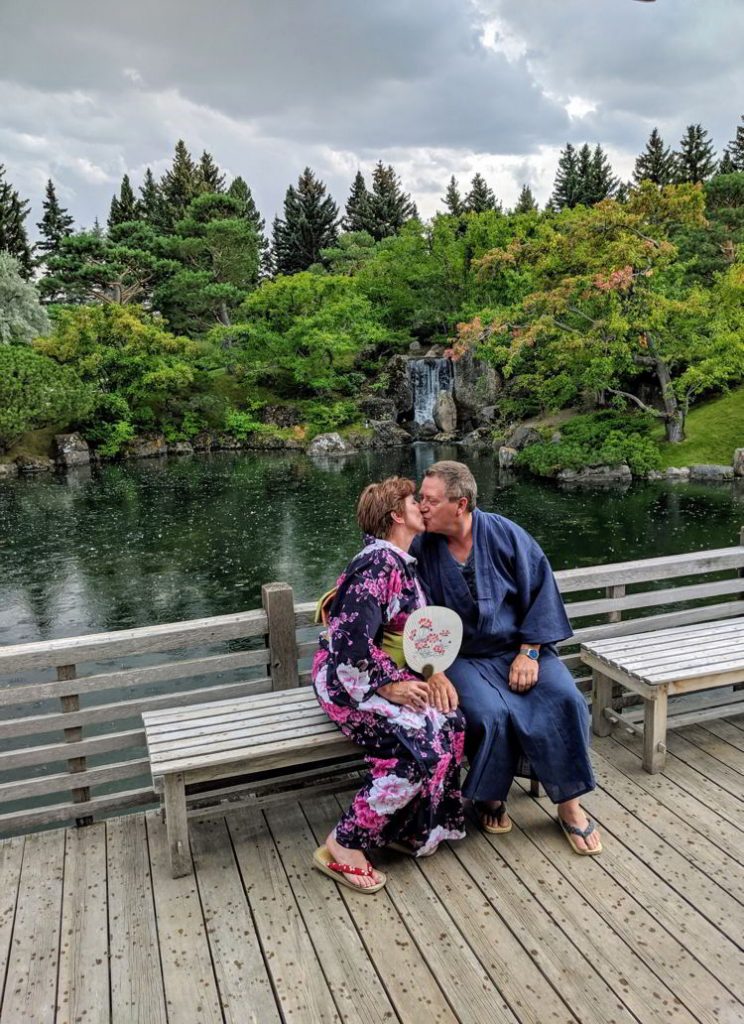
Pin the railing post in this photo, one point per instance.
(278, 603)
(617, 591)
(71, 702)
(740, 572)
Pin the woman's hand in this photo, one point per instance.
(442, 693)
(411, 693)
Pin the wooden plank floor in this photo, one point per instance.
(501, 930)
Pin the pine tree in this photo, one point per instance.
(695, 160)
(210, 177)
(480, 197)
(601, 182)
(13, 236)
(358, 215)
(55, 224)
(726, 164)
(239, 190)
(452, 199)
(735, 148)
(124, 207)
(309, 224)
(390, 207)
(179, 185)
(567, 185)
(151, 201)
(526, 202)
(655, 163)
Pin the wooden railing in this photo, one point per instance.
(67, 754)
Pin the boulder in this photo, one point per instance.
(445, 413)
(427, 430)
(445, 438)
(416, 349)
(399, 389)
(204, 442)
(227, 443)
(487, 414)
(32, 464)
(387, 434)
(478, 440)
(148, 446)
(522, 436)
(8, 470)
(71, 450)
(507, 456)
(556, 437)
(181, 448)
(704, 471)
(476, 385)
(330, 444)
(376, 407)
(654, 474)
(616, 474)
(739, 462)
(281, 415)
(677, 473)
(435, 352)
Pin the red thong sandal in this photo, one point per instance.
(323, 861)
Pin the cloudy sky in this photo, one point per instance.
(91, 90)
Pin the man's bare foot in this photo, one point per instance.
(572, 813)
(354, 858)
(491, 816)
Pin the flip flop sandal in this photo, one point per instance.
(499, 814)
(569, 831)
(323, 861)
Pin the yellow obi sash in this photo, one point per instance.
(392, 643)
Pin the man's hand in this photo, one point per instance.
(442, 693)
(411, 693)
(522, 674)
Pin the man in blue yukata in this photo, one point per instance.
(518, 698)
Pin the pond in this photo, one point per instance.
(162, 540)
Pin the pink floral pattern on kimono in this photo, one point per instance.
(412, 793)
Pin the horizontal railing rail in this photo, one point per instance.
(72, 747)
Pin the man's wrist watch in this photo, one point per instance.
(533, 653)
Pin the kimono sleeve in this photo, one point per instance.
(357, 666)
(542, 618)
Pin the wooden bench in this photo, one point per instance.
(232, 738)
(659, 664)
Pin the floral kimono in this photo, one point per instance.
(412, 793)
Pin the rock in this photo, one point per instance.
(31, 464)
(399, 389)
(203, 442)
(8, 470)
(227, 443)
(487, 414)
(654, 474)
(427, 430)
(181, 448)
(416, 348)
(476, 385)
(498, 442)
(677, 473)
(739, 462)
(444, 438)
(281, 415)
(617, 474)
(704, 471)
(507, 456)
(148, 446)
(478, 440)
(330, 444)
(387, 434)
(376, 407)
(556, 437)
(435, 352)
(445, 413)
(71, 450)
(523, 436)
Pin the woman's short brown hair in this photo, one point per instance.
(377, 502)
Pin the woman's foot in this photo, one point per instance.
(355, 859)
(571, 813)
(493, 816)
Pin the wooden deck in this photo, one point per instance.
(494, 930)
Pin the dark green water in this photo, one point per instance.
(159, 541)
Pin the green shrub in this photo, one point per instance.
(603, 438)
(325, 416)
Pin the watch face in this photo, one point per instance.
(533, 654)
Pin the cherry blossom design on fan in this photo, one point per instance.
(431, 639)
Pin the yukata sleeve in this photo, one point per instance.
(543, 618)
(357, 665)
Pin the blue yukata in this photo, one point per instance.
(516, 601)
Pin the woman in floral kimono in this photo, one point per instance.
(411, 730)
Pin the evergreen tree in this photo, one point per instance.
(480, 197)
(210, 177)
(151, 202)
(655, 163)
(13, 236)
(358, 216)
(239, 190)
(124, 207)
(526, 202)
(601, 183)
(309, 224)
(695, 161)
(452, 199)
(179, 185)
(390, 207)
(55, 224)
(567, 185)
(735, 149)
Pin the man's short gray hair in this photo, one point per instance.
(459, 482)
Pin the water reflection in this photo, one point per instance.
(163, 540)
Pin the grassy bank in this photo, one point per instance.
(713, 431)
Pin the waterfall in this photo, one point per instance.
(428, 377)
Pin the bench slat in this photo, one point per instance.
(290, 739)
(246, 733)
(301, 696)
